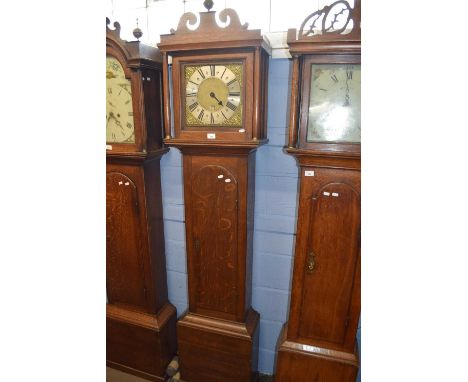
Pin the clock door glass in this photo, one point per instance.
(213, 95)
(119, 109)
(335, 103)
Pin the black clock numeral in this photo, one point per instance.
(212, 70)
(109, 90)
(194, 94)
(231, 106)
(193, 106)
(201, 73)
(231, 82)
(200, 116)
(193, 82)
(349, 75)
(234, 94)
(223, 115)
(223, 72)
(212, 118)
(334, 78)
(113, 136)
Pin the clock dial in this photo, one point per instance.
(119, 108)
(213, 95)
(335, 103)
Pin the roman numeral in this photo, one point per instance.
(349, 75)
(334, 78)
(231, 82)
(194, 94)
(194, 83)
(200, 116)
(193, 106)
(212, 69)
(223, 72)
(223, 115)
(234, 94)
(231, 106)
(109, 90)
(212, 118)
(201, 73)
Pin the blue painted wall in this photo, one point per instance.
(275, 219)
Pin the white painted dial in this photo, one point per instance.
(335, 103)
(119, 108)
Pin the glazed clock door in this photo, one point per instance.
(331, 260)
(214, 227)
(125, 277)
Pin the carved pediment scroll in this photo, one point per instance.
(337, 23)
(208, 24)
(210, 29)
(336, 18)
(113, 32)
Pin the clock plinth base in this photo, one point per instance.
(215, 350)
(297, 362)
(139, 343)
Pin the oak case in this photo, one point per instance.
(218, 335)
(318, 341)
(141, 323)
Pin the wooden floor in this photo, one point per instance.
(114, 375)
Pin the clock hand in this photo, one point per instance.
(212, 95)
(125, 87)
(347, 103)
(117, 122)
(111, 115)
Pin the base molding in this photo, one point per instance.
(297, 362)
(140, 343)
(216, 350)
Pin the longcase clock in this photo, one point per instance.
(318, 343)
(141, 323)
(219, 93)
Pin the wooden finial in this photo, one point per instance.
(137, 32)
(208, 4)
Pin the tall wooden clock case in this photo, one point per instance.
(219, 93)
(318, 341)
(141, 323)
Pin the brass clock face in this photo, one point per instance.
(335, 103)
(120, 126)
(213, 95)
